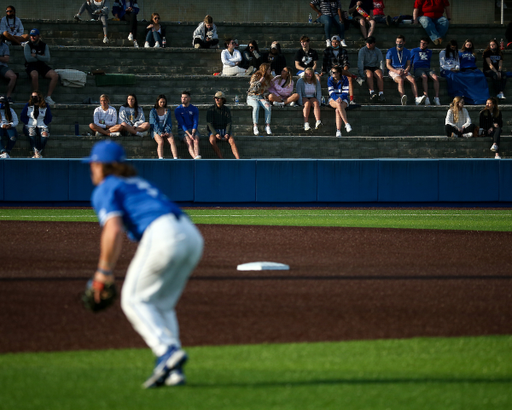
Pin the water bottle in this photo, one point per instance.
(164, 42)
(77, 129)
(237, 101)
(310, 19)
(502, 45)
(323, 100)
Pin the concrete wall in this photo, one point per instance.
(479, 12)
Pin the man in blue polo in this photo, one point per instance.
(398, 62)
(187, 116)
(420, 60)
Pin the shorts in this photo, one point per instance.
(41, 67)
(3, 70)
(222, 133)
(420, 71)
(343, 97)
(394, 75)
(181, 134)
(372, 69)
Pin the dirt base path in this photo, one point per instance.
(343, 284)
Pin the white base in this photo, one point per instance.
(263, 266)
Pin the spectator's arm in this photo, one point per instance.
(448, 12)
(96, 119)
(140, 118)
(46, 56)
(168, 123)
(111, 117)
(3, 24)
(4, 59)
(318, 12)
(209, 122)
(196, 119)
(468, 118)
(153, 121)
(24, 114)
(228, 119)
(48, 116)
(14, 121)
(135, 7)
(415, 15)
(122, 116)
(388, 65)
(28, 55)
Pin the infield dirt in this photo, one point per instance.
(343, 284)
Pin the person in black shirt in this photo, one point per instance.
(276, 59)
(305, 57)
(491, 122)
(493, 63)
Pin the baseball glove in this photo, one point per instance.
(98, 296)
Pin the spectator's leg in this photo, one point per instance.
(11, 76)
(362, 26)
(400, 81)
(442, 24)
(306, 110)
(96, 128)
(449, 129)
(496, 136)
(212, 43)
(436, 84)
(429, 27)
(54, 78)
(213, 142)
(351, 88)
(341, 27)
(157, 38)
(234, 149)
(326, 21)
(369, 79)
(334, 105)
(174, 148)
(372, 28)
(424, 80)
(159, 145)
(12, 134)
(380, 79)
(316, 108)
(132, 21)
(190, 146)
(150, 38)
(268, 110)
(34, 76)
(414, 89)
(253, 102)
(103, 20)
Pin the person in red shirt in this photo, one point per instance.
(430, 14)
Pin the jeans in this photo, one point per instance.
(495, 134)
(34, 135)
(152, 37)
(329, 21)
(255, 101)
(435, 28)
(11, 134)
(102, 17)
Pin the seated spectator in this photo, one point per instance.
(275, 58)
(458, 122)
(379, 16)
(310, 95)
(205, 35)
(305, 57)
(160, 121)
(258, 96)
(491, 123)
(362, 11)
(493, 67)
(97, 10)
(155, 33)
(37, 54)
(127, 10)
(105, 119)
(429, 13)
(36, 116)
(187, 116)
(8, 123)
(329, 14)
(449, 58)
(131, 118)
(337, 85)
(232, 60)
(467, 56)
(420, 60)
(218, 119)
(398, 61)
(12, 28)
(251, 56)
(371, 64)
(5, 71)
(281, 89)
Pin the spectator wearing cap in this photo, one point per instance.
(5, 71)
(12, 27)
(430, 14)
(37, 54)
(218, 119)
(275, 58)
(8, 123)
(329, 14)
(370, 64)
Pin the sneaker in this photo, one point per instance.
(343, 44)
(23, 44)
(467, 135)
(292, 104)
(318, 125)
(374, 97)
(306, 126)
(115, 134)
(403, 100)
(420, 100)
(436, 101)
(268, 130)
(338, 133)
(360, 80)
(130, 37)
(454, 135)
(382, 98)
(4, 155)
(255, 130)
(249, 70)
(175, 378)
(77, 17)
(49, 100)
(198, 157)
(146, 45)
(171, 360)
(135, 44)
(142, 134)
(278, 104)
(106, 40)
(494, 147)
(348, 128)
(37, 154)
(197, 45)
(328, 43)
(427, 101)
(98, 134)
(389, 20)
(157, 45)
(497, 156)
(501, 96)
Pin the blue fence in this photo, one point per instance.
(274, 181)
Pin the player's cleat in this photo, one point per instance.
(420, 100)
(348, 128)
(494, 147)
(306, 126)
(318, 125)
(338, 133)
(173, 359)
(403, 100)
(175, 378)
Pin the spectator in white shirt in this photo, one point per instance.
(231, 60)
(12, 28)
(105, 119)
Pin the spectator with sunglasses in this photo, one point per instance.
(5, 71)
(12, 28)
(252, 56)
(232, 60)
(155, 33)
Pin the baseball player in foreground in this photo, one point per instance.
(170, 247)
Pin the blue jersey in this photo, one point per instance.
(421, 58)
(134, 199)
(188, 118)
(467, 59)
(398, 58)
(338, 89)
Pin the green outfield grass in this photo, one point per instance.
(474, 219)
(438, 373)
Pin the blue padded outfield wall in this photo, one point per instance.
(268, 182)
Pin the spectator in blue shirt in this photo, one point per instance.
(337, 86)
(398, 62)
(421, 57)
(127, 10)
(467, 56)
(160, 123)
(187, 116)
